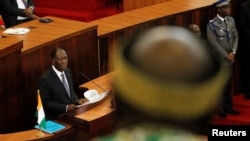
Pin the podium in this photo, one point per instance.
(95, 119)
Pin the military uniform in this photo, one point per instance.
(222, 36)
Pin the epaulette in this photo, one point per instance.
(213, 20)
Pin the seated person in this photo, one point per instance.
(15, 12)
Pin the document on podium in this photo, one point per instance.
(99, 98)
(52, 127)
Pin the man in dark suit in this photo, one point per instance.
(57, 98)
(244, 34)
(222, 36)
(17, 11)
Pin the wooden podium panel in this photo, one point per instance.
(98, 119)
(11, 105)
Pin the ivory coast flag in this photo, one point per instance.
(40, 112)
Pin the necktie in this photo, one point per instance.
(225, 21)
(65, 84)
(25, 3)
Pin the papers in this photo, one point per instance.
(52, 127)
(91, 95)
(16, 30)
(99, 98)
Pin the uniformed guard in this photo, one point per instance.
(222, 35)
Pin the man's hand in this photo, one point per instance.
(33, 16)
(230, 57)
(71, 107)
(81, 101)
(28, 11)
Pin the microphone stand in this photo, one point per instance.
(111, 92)
(92, 81)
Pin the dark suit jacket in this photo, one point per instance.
(9, 11)
(53, 94)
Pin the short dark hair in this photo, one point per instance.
(53, 52)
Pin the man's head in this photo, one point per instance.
(167, 73)
(223, 8)
(59, 59)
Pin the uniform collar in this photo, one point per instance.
(222, 19)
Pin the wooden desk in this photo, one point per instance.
(22, 136)
(126, 24)
(99, 119)
(66, 134)
(125, 20)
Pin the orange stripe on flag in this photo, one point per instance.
(40, 112)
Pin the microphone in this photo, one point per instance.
(92, 81)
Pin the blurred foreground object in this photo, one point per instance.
(167, 86)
